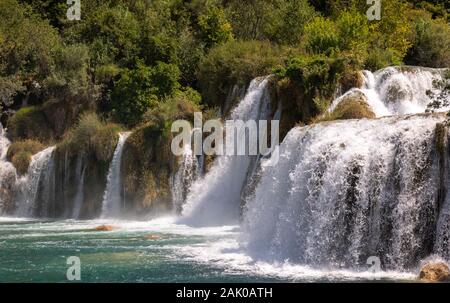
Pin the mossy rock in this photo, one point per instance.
(353, 106)
(21, 161)
(147, 165)
(351, 79)
(20, 153)
(29, 122)
(294, 103)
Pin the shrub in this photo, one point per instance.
(235, 62)
(21, 161)
(431, 43)
(321, 36)
(182, 105)
(392, 34)
(317, 75)
(348, 36)
(141, 88)
(20, 153)
(30, 122)
(90, 135)
(214, 28)
(378, 58)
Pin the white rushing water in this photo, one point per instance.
(38, 177)
(188, 171)
(215, 199)
(112, 198)
(344, 191)
(7, 171)
(399, 91)
(340, 193)
(79, 196)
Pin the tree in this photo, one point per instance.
(142, 88)
(214, 28)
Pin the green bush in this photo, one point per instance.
(317, 75)
(141, 88)
(321, 36)
(214, 28)
(29, 122)
(235, 62)
(91, 136)
(431, 43)
(20, 153)
(379, 58)
(347, 35)
(113, 32)
(182, 105)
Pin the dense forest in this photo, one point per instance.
(140, 64)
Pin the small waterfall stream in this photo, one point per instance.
(112, 198)
(79, 196)
(7, 172)
(189, 170)
(37, 178)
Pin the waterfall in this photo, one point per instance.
(401, 90)
(344, 191)
(38, 178)
(215, 199)
(188, 171)
(112, 198)
(79, 196)
(7, 173)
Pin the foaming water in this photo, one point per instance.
(38, 177)
(188, 171)
(7, 172)
(345, 191)
(215, 199)
(177, 253)
(399, 90)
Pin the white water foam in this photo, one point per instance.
(215, 199)
(398, 91)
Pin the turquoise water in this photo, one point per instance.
(37, 251)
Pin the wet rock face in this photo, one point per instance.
(147, 165)
(435, 272)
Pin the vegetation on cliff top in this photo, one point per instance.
(124, 58)
(20, 153)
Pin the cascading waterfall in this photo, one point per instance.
(79, 196)
(400, 90)
(345, 191)
(7, 172)
(188, 171)
(215, 199)
(112, 198)
(38, 178)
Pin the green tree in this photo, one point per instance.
(142, 88)
(214, 28)
(431, 43)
